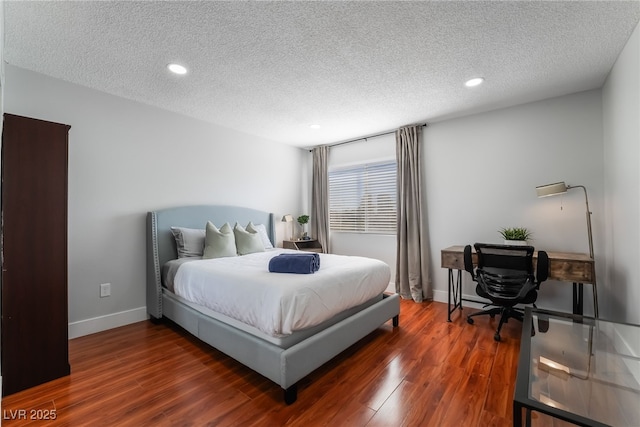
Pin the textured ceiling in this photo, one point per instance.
(356, 68)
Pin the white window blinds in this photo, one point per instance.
(362, 198)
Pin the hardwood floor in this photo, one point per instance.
(427, 372)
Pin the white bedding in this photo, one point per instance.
(278, 303)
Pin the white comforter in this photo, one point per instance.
(279, 303)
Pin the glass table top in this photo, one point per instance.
(584, 367)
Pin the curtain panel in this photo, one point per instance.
(412, 252)
(320, 197)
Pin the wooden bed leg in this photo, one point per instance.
(396, 321)
(291, 394)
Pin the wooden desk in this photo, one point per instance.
(563, 266)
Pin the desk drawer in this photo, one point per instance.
(571, 271)
(453, 260)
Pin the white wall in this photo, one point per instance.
(481, 174)
(621, 108)
(126, 158)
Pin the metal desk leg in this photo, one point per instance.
(578, 298)
(595, 300)
(455, 290)
(450, 288)
(459, 289)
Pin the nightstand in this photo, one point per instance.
(303, 245)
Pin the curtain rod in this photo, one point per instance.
(424, 125)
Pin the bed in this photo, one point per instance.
(284, 360)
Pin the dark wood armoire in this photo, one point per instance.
(35, 346)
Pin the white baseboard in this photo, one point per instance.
(440, 296)
(110, 321)
(443, 296)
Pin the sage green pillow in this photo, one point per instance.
(246, 241)
(219, 243)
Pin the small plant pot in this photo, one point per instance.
(516, 242)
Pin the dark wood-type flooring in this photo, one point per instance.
(427, 372)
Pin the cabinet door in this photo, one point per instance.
(34, 264)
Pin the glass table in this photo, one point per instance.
(578, 369)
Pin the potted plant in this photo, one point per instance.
(303, 220)
(515, 235)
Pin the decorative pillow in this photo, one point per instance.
(262, 231)
(189, 241)
(246, 241)
(219, 243)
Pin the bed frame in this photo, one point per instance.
(284, 366)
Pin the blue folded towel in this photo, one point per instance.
(316, 258)
(305, 263)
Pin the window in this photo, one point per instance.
(362, 198)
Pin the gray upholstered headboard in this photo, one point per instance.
(161, 246)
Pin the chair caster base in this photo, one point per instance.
(496, 337)
(470, 320)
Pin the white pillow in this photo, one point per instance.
(219, 243)
(189, 241)
(246, 241)
(262, 231)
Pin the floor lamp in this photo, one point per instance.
(561, 188)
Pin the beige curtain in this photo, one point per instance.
(320, 197)
(412, 253)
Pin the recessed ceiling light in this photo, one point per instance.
(314, 126)
(177, 68)
(474, 82)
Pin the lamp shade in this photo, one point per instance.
(287, 218)
(551, 189)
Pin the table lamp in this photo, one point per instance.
(289, 218)
(561, 188)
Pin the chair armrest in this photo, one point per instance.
(542, 269)
(468, 261)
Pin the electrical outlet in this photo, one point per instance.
(105, 290)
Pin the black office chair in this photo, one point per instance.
(504, 275)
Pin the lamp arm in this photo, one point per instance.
(586, 200)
